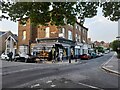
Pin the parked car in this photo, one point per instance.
(85, 56)
(19, 58)
(99, 54)
(4, 56)
(25, 58)
(93, 55)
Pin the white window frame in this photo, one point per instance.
(70, 35)
(62, 32)
(24, 34)
(47, 32)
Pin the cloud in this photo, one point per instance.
(6, 25)
(102, 29)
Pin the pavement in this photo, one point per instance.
(112, 65)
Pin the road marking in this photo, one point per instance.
(53, 85)
(109, 66)
(49, 82)
(36, 85)
(90, 86)
(103, 66)
(108, 60)
(65, 82)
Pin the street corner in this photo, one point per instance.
(110, 70)
(111, 65)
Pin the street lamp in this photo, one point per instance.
(29, 46)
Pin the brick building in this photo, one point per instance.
(3, 37)
(71, 40)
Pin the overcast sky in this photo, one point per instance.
(99, 28)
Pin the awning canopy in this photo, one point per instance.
(77, 47)
(45, 45)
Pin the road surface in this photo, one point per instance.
(85, 74)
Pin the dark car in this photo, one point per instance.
(19, 58)
(93, 55)
(85, 56)
(28, 58)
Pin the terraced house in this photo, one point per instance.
(70, 40)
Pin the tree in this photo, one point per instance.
(41, 13)
(100, 49)
(116, 46)
(102, 42)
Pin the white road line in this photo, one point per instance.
(26, 84)
(90, 86)
(49, 82)
(108, 60)
(103, 66)
(53, 85)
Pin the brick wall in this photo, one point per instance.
(31, 33)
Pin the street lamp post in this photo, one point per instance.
(29, 46)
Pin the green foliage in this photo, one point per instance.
(40, 12)
(118, 55)
(111, 10)
(115, 45)
(100, 49)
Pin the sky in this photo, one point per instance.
(100, 28)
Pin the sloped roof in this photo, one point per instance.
(14, 36)
(1, 32)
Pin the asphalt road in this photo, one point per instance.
(86, 74)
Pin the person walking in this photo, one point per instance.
(10, 56)
(61, 56)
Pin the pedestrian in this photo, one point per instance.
(10, 56)
(61, 56)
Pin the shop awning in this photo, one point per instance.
(77, 47)
(45, 45)
(65, 45)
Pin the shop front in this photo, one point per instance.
(78, 50)
(54, 46)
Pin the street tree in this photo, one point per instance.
(116, 46)
(58, 13)
(100, 49)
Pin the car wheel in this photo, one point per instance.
(6, 58)
(15, 60)
(26, 60)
